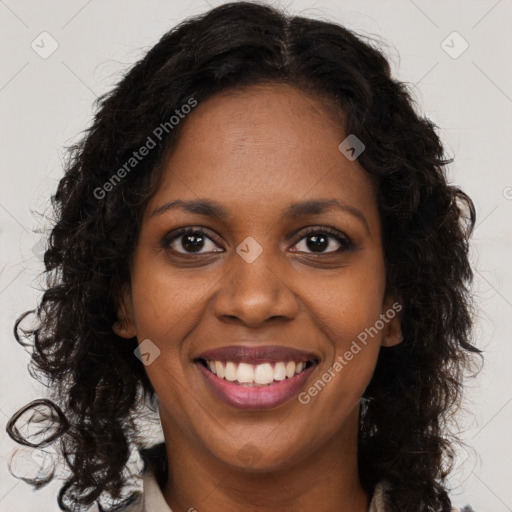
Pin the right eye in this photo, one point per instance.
(188, 241)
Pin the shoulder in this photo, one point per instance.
(150, 496)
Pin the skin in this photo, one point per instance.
(255, 151)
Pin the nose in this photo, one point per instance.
(255, 292)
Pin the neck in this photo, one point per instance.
(325, 481)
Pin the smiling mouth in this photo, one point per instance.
(256, 375)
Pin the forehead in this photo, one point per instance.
(271, 144)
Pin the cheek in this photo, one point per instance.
(350, 302)
(347, 310)
(335, 392)
(355, 346)
(166, 308)
(166, 304)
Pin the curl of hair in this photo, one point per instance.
(92, 373)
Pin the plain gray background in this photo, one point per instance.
(46, 102)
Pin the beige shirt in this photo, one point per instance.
(152, 499)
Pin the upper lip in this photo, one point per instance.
(257, 354)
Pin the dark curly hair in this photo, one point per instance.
(94, 379)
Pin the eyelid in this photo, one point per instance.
(175, 234)
(345, 241)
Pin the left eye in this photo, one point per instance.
(318, 240)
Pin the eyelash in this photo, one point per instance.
(344, 241)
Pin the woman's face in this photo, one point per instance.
(256, 286)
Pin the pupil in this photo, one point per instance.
(189, 245)
(319, 242)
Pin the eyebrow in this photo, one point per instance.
(294, 210)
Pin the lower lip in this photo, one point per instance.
(256, 397)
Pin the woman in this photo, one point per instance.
(257, 232)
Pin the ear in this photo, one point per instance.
(125, 324)
(391, 316)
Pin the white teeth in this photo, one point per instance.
(259, 374)
(245, 373)
(290, 369)
(280, 371)
(230, 373)
(264, 374)
(219, 367)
